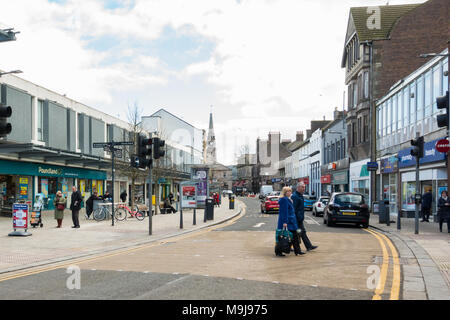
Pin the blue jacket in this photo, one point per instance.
(299, 205)
(286, 214)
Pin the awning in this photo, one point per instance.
(46, 154)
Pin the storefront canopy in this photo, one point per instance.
(35, 152)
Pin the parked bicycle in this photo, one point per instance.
(101, 212)
(123, 211)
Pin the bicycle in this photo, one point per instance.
(122, 210)
(101, 212)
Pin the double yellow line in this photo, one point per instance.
(33, 271)
(395, 288)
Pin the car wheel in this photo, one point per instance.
(329, 223)
(314, 212)
(365, 225)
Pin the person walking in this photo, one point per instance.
(168, 206)
(217, 199)
(287, 219)
(60, 204)
(426, 205)
(299, 207)
(75, 206)
(444, 210)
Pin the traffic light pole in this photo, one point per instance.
(417, 191)
(150, 200)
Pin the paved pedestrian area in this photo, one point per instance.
(430, 278)
(50, 244)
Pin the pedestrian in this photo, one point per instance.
(444, 210)
(90, 204)
(107, 196)
(75, 206)
(123, 196)
(60, 204)
(299, 207)
(171, 198)
(217, 199)
(426, 205)
(287, 219)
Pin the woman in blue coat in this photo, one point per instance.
(287, 218)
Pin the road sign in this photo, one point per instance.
(100, 144)
(372, 166)
(443, 146)
(125, 143)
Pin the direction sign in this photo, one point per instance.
(100, 144)
(125, 143)
(372, 166)
(443, 146)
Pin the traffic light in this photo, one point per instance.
(144, 151)
(134, 161)
(417, 150)
(158, 144)
(5, 113)
(442, 103)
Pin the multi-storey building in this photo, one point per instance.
(383, 44)
(409, 108)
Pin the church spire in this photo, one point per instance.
(211, 142)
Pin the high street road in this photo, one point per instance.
(234, 260)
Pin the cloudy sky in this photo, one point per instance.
(264, 65)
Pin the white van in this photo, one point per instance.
(265, 190)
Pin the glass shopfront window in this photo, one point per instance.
(408, 192)
(436, 86)
(420, 99)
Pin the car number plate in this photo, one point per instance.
(349, 213)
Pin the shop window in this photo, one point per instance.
(420, 98)
(436, 86)
(428, 94)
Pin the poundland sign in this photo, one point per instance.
(430, 154)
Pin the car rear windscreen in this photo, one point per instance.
(349, 198)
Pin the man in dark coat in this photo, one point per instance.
(90, 204)
(427, 199)
(299, 207)
(123, 196)
(75, 206)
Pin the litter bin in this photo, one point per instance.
(384, 213)
(209, 209)
(231, 202)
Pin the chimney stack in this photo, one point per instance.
(299, 136)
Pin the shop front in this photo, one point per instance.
(22, 181)
(432, 176)
(389, 182)
(360, 178)
(335, 177)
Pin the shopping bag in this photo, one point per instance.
(283, 241)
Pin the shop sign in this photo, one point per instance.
(332, 166)
(23, 188)
(389, 165)
(325, 179)
(20, 216)
(340, 177)
(430, 155)
(372, 166)
(305, 180)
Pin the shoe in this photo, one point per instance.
(77, 227)
(73, 226)
(280, 255)
(301, 253)
(312, 248)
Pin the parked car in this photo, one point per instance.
(309, 201)
(319, 206)
(346, 207)
(270, 204)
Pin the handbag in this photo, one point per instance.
(284, 240)
(60, 206)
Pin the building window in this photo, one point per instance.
(355, 94)
(412, 103)
(405, 93)
(444, 77)
(394, 113)
(400, 110)
(40, 120)
(366, 129)
(354, 134)
(366, 85)
(436, 86)
(427, 94)
(420, 99)
(350, 96)
(343, 148)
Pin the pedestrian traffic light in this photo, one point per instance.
(442, 103)
(5, 113)
(417, 150)
(158, 152)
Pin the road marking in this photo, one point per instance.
(395, 290)
(384, 268)
(258, 225)
(313, 221)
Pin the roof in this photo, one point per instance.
(360, 18)
(389, 16)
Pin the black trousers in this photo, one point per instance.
(303, 235)
(295, 242)
(426, 214)
(441, 222)
(75, 219)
